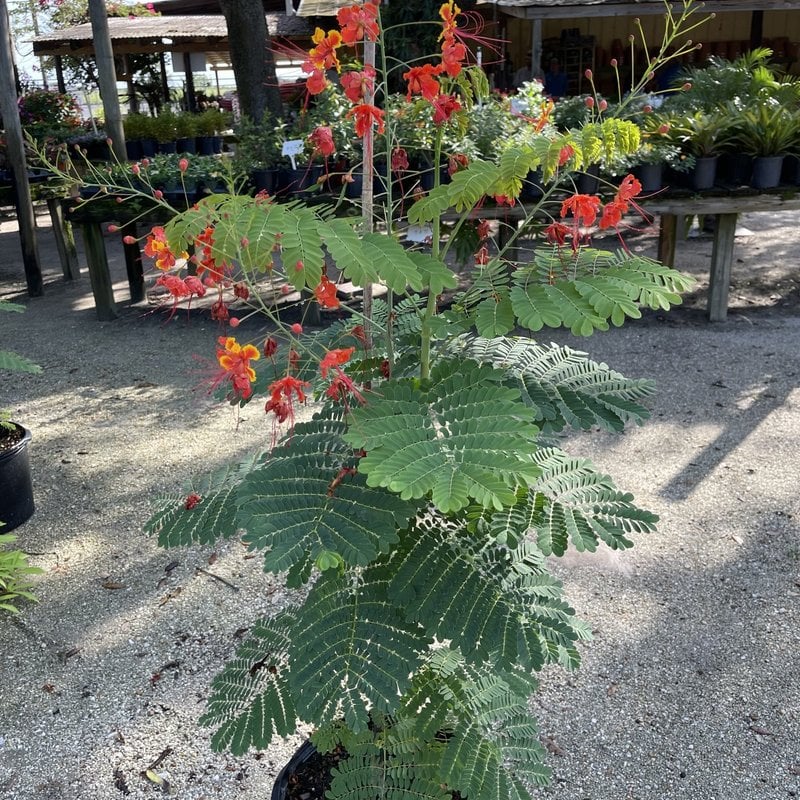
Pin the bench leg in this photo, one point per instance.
(668, 230)
(65, 243)
(721, 263)
(133, 263)
(97, 262)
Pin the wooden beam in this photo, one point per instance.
(15, 147)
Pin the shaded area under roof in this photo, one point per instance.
(563, 9)
(189, 33)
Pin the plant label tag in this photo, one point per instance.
(293, 148)
(420, 233)
(518, 107)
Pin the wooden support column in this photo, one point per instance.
(65, 241)
(191, 96)
(16, 159)
(102, 289)
(59, 64)
(162, 62)
(721, 263)
(133, 100)
(668, 230)
(133, 262)
(536, 48)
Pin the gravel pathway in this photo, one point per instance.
(691, 688)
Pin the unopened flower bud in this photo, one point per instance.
(109, 141)
(602, 105)
(129, 240)
(113, 228)
(158, 194)
(296, 328)
(631, 38)
(588, 74)
(589, 102)
(145, 162)
(686, 86)
(234, 322)
(664, 128)
(648, 109)
(614, 63)
(650, 75)
(285, 289)
(135, 169)
(183, 164)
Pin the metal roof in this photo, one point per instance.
(193, 33)
(564, 9)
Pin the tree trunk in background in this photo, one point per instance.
(251, 58)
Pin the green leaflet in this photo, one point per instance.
(353, 651)
(306, 502)
(12, 362)
(564, 386)
(211, 518)
(464, 437)
(395, 268)
(479, 598)
(250, 701)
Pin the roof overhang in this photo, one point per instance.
(566, 9)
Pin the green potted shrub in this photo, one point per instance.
(186, 128)
(165, 130)
(140, 138)
(703, 135)
(257, 151)
(210, 125)
(767, 131)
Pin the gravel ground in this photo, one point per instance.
(691, 688)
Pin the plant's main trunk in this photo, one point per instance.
(251, 58)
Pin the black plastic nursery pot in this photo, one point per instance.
(308, 774)
(16, 486)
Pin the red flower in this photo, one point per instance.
(357, 332)
(341, 386)
(556, 233)
(157, 247)
(282, 394)
(482, 256)
(270, 347)
(358, 22)
(444, 107)
(219, 311)
(399, 160)
(235, 361)
(322, 140)
(584, 208)
(565, 154)
(484, 229)
(629, 188)
(366, 116)
(316, 81)
(241, 291)
(422, 80)
(323, 56)
(453, 55)
(386, 369)
(503, 200)
(456, 163)
(192, 499)
(325, 292)
(357, 84)
(335, 358)
(613, 213)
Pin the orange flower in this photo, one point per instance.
(556, 233)
(316, 81)
(358, 22)
(323, 56)
(453, 55)
(422, 80)
(335, 358)
(235, 361)
(157, 247)
(322, 140)
(584, 208)
(357, 84)
(613, 213)
(448, 12)
(366, 115)
(444, 107)
(325, 292)
(629, 188)
(282, 394)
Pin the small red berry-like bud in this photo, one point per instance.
(614, 63)
(129, 239)
(135, 169)
(664, 128)
(296, 328)
(191, 501)
(113, 228)
(299, 265)
(686, 87)
(270, 347)
(145, 162)
(588, 74)
(240, 290)
(589, 102)
(183, 164)
(602, 105)
(109, 141)
(158, 194)
(648, 109)
(120, 199)
(285, 289)
(244, 241)
(234, 322)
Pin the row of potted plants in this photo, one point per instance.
(175, 133)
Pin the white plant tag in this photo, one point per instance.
(420, 233)
(293, 148)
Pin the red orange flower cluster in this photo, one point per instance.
(235, 362)
(614, 211)
(282, 394)
(157, 247)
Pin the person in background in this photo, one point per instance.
(523, 74)
(555, 81)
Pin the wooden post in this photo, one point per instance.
(65, 242)
(133, 100)
(191, 97)
(162, 62)
(59, 64)
(107, 76)
(666, 239)
(102, 289)
(721, 263)
(133, 262)
(16, 159)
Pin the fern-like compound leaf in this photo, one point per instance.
(564, 386)
(12, 362)
(250, 700)
(206, 517)
(392, 262)
(308, 499)
(464, 437)
(353, 651)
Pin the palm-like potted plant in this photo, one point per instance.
(420, 503)
(767, 131)
(703, 135)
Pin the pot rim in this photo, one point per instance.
(20, 445)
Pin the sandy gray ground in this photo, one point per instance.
(691, 688)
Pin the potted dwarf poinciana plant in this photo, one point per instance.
(420, 502)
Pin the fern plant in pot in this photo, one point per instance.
(418, 505)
